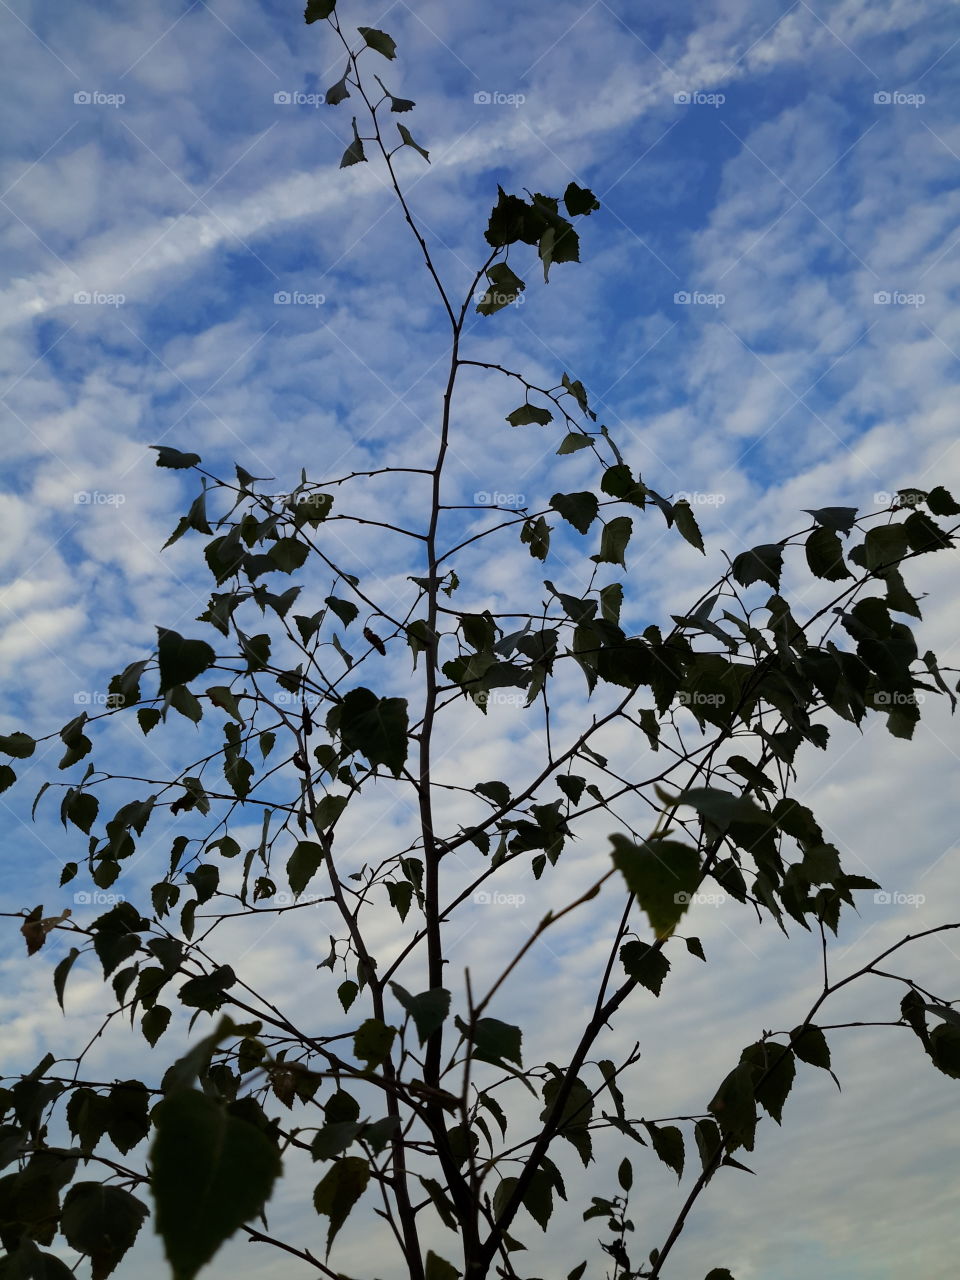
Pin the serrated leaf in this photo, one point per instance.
(667, 1142)
(686, 523)
(579, 200)
(760, 564)
(102, 1222)
(376, 727)
(379, 40)
(18, 745)
(578, 509)
(303, 864)
(810, 1045)
(527, 414)
(648, 965)
(662, 874)
(315, 11)
(613, 541)
(181, 660)
(211, 1173)
(167, 457)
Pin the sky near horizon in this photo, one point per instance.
(765, 318)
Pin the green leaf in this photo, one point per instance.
(774, 1072)
(428, 1010)
(61, 972)
(318, 9)
(735, 1108)
(810, 1045)
(345, 610)
(944, 1049)
(18, 745)
(154, 1022)
(527, 414)
(824, 553)
(625, 1174)
(613, 542)
(337, 92)
(839, 519)
(941, 502)
(211, 1173)
(102, 1222)
(438, 1268)
(494, 1041)
(339, 1191)
(379, 40)
(760, 564)
(376, 727)
(206, 992)
(648, 965)
(504, 287)
(573, 442)
(127, 1114)
(536, 534)
(662, 874)
(148, 718)
(303, 864)
(288, 554)
(167, 457)
(408, 141)
(181, 660)
(695, 947)
(579, 200)
(346, 993)
(27, 1262)
(7, 777)
(354, 153)
(686, 522)
(578, 509)
(372, 1041)
(667, 1142)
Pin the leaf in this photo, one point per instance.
(376, 727)
(336, 93)
(941, 502)
(18, 745)
(839, 519)
(345, 610)
(760, 564)
(719, 1273)
(579, 200)
(211, 1173)
(101, 1222)
(505, 287)
(494, 1041)
(438, 1268)
(7, 777)
(648, 965)
(536, 534)
(167, 457)
(527, 414)
(354, 153)
(154, 1022)
(686, 522)
(695, 947)
(372, 1041)
(944, 1049)
(578, 509)
(824, 553)
(61, 972)
(428, 1010)
(667, 1142)
(379, 40)
(663, 874)
(339, 1191)
(573, 442)
(408, 141)
(181, 660)
(810, 1045)
(127, 1114)
(318, 9)
(346, 993)
(206, 992)
(613, 542)
(735, 1107)
(303, 864)
(288, 554)
(625, 1174)
(774, 1072)
(498, 792)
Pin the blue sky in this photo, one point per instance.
(802, 193)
